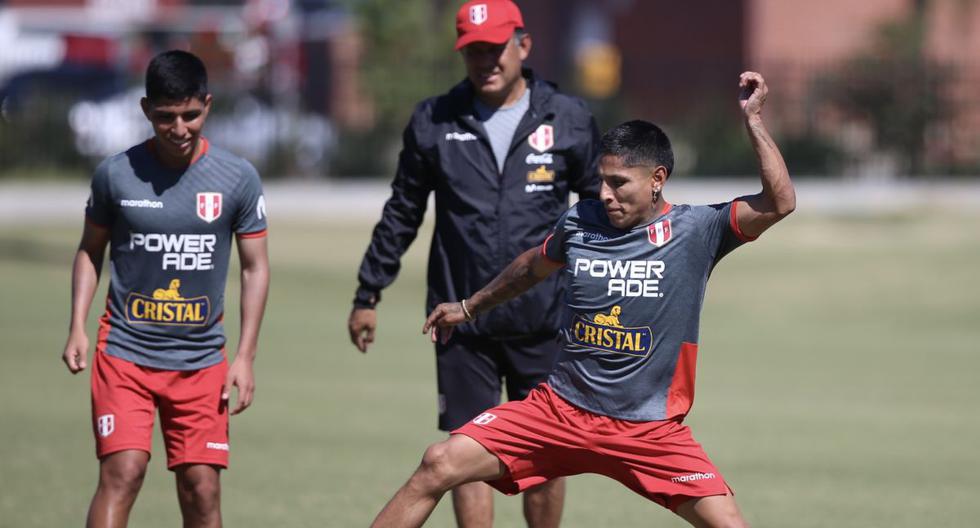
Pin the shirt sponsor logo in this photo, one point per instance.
(478, 13)
(541, 175)
(537, 187)
(693, 477)
(145, 204)
(539, 159)
(659, 233)
(220, 446)
(598, 237)
(167, 307)
(460, 136)
(208, 206)
(627, 278)
(606, 334)
(543, 138)
(260, 208)
(105, 424)
(181, 252)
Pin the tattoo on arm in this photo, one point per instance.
(516, 279)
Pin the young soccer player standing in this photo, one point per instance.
(637, 269)
(169, 209)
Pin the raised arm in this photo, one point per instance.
(84, 280)
(528, 269)
(759, 212)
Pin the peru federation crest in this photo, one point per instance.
(106, 424)
(478, 14)
(208, 206)
(659, 233)
(543, 138)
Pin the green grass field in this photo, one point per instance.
(838, 385)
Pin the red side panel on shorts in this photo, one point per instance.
(680, 395)
(104, 327)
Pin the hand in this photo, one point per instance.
(239, 375)
(361, 325)
(439, 325)
(752, 95)
(76, 352)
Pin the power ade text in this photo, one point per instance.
(627, 278)
(183, 252)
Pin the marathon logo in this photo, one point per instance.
(181, 252)
(148, 204)
(693, 477)
(626, 278)
(167, 307)
(460, 136)
(605, 334)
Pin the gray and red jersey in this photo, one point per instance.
(171, 236)
(634, 305)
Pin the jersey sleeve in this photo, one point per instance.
(553, 247)
(719, 228)
(99, 208)
(250, 219)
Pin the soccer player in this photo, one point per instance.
(615, 402)
(169, 209)
(501, 151)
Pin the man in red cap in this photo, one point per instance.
(501, 150)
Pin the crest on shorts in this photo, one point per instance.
(208, 206)
(659, 233)
(478, 13)
(542, 139)
(105, 424)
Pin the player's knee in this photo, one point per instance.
(200, 491)
(437, 470)
(122, 475)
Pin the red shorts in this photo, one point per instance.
(192, 416)
(545, 437)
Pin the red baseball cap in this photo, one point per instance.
(492, 21)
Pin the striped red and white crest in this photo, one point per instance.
(543, 138)
(105, 424)
(659, 233)
(478, 14)
(208, 206)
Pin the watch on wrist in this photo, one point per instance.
(365, 298)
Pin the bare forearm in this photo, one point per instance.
(255, 290)
(517, 278)
(84, 281)
(777, 188)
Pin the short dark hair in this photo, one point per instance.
(638, 143)
(176, 75)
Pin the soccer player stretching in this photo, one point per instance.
(637, 268)
(169, 209)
